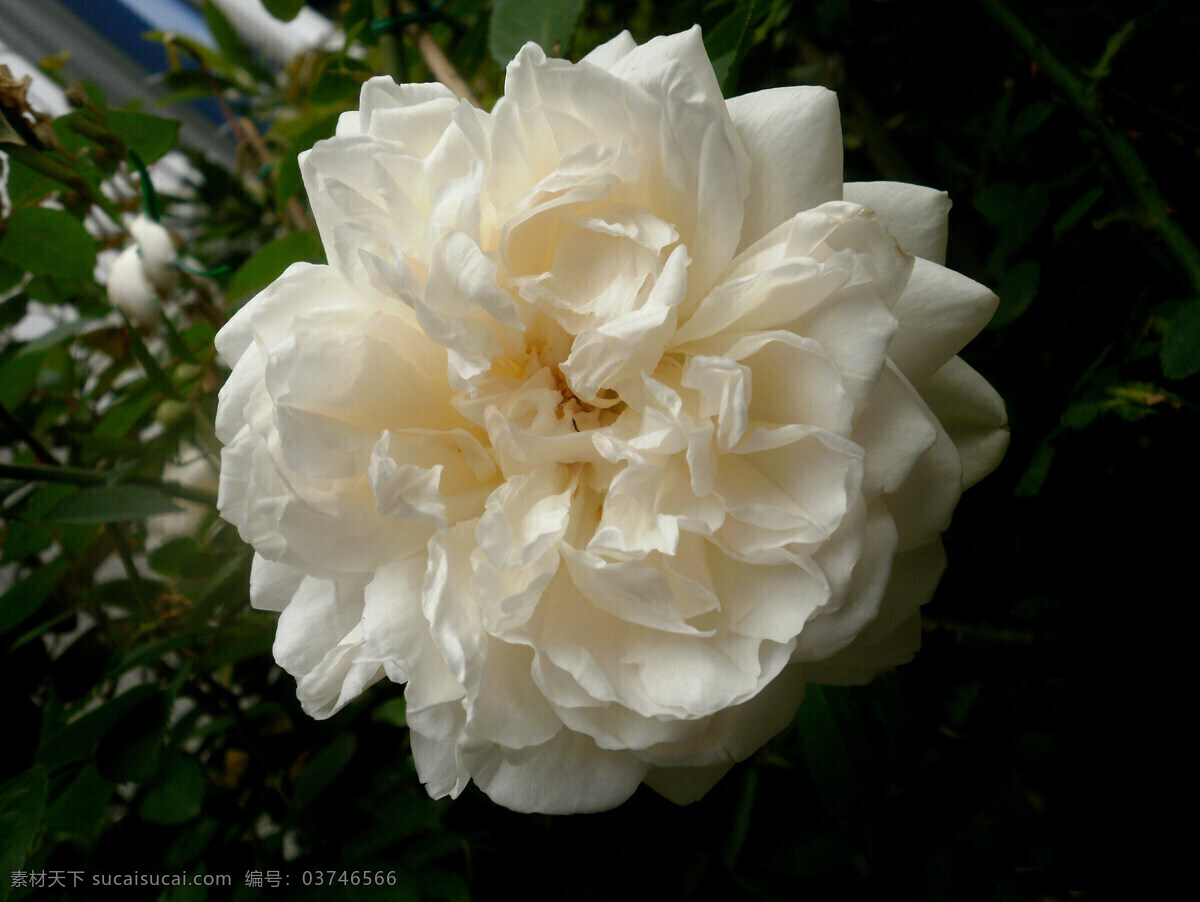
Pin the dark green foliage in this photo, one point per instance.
(1030, 749)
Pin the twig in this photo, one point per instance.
(81, 476)
(389, 44)
(246, 135)
(1117, 147)
(295, 210)
(17, 428)
(54, 471)
(437, 61)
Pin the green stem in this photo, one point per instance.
(63, 174)
(53, 471)
(141, 595)
(389, 41)
(80, 476)
(1117, 147)
(17, 428)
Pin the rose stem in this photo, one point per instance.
(1119, 149)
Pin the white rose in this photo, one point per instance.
(143, 271)
(612, 421)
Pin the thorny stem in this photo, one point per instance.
(389, 44)
(80, 476)
(17, 428)
(245, 134)
(437, 61)
(295, 210)
(53, 471)
(1117, 147)
(42, 162)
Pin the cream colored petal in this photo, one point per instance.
(793, 137)
(272, 585)
(895, 428)
(895, 635)
(321, 614)
(570, 774)
(693, 766)
(440, 765)
(918, 217)
(925, 501)
(339, 679)
(973, 414)
(526, 517)
(454, 618)
(939, 312)
(608, 54)
(395, 631)
(414, 115)
(836, 626)
(509, 709)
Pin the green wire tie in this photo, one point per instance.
(383, 26)
(223, 270)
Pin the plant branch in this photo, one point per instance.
(389, 44)
(41, 161)
(53, 471)
(437, 61)
(17, 428)
(84, 477)
(1124, 158)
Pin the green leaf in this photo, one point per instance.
(10, 277)
(284, 10)
(549, 24)
(268, 263)
(1039, 468)
(112, 504)
(81, 810)
(18, 377)
(154, 372)
(148, 136)
(170, 558)
(740, 826)
(26, 184)
(76, 738)
(191, 843)
(176, 796)
(829, 738)
(323, 770)
(22, 804)
(392, 711)
(23, 599)
(131, 749)
(49, 242)
(336, 86)
(1180, 353)
(254, 640)
(728, 42)
(319, 124)
(1031, 119)
(1017, 289)
(1076, 212)
(1017, 214)
(230, 42)
(124, 415)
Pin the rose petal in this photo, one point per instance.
(793, 137)
(938, 313)
(973, 414)
(917, 217)
(568, 774)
